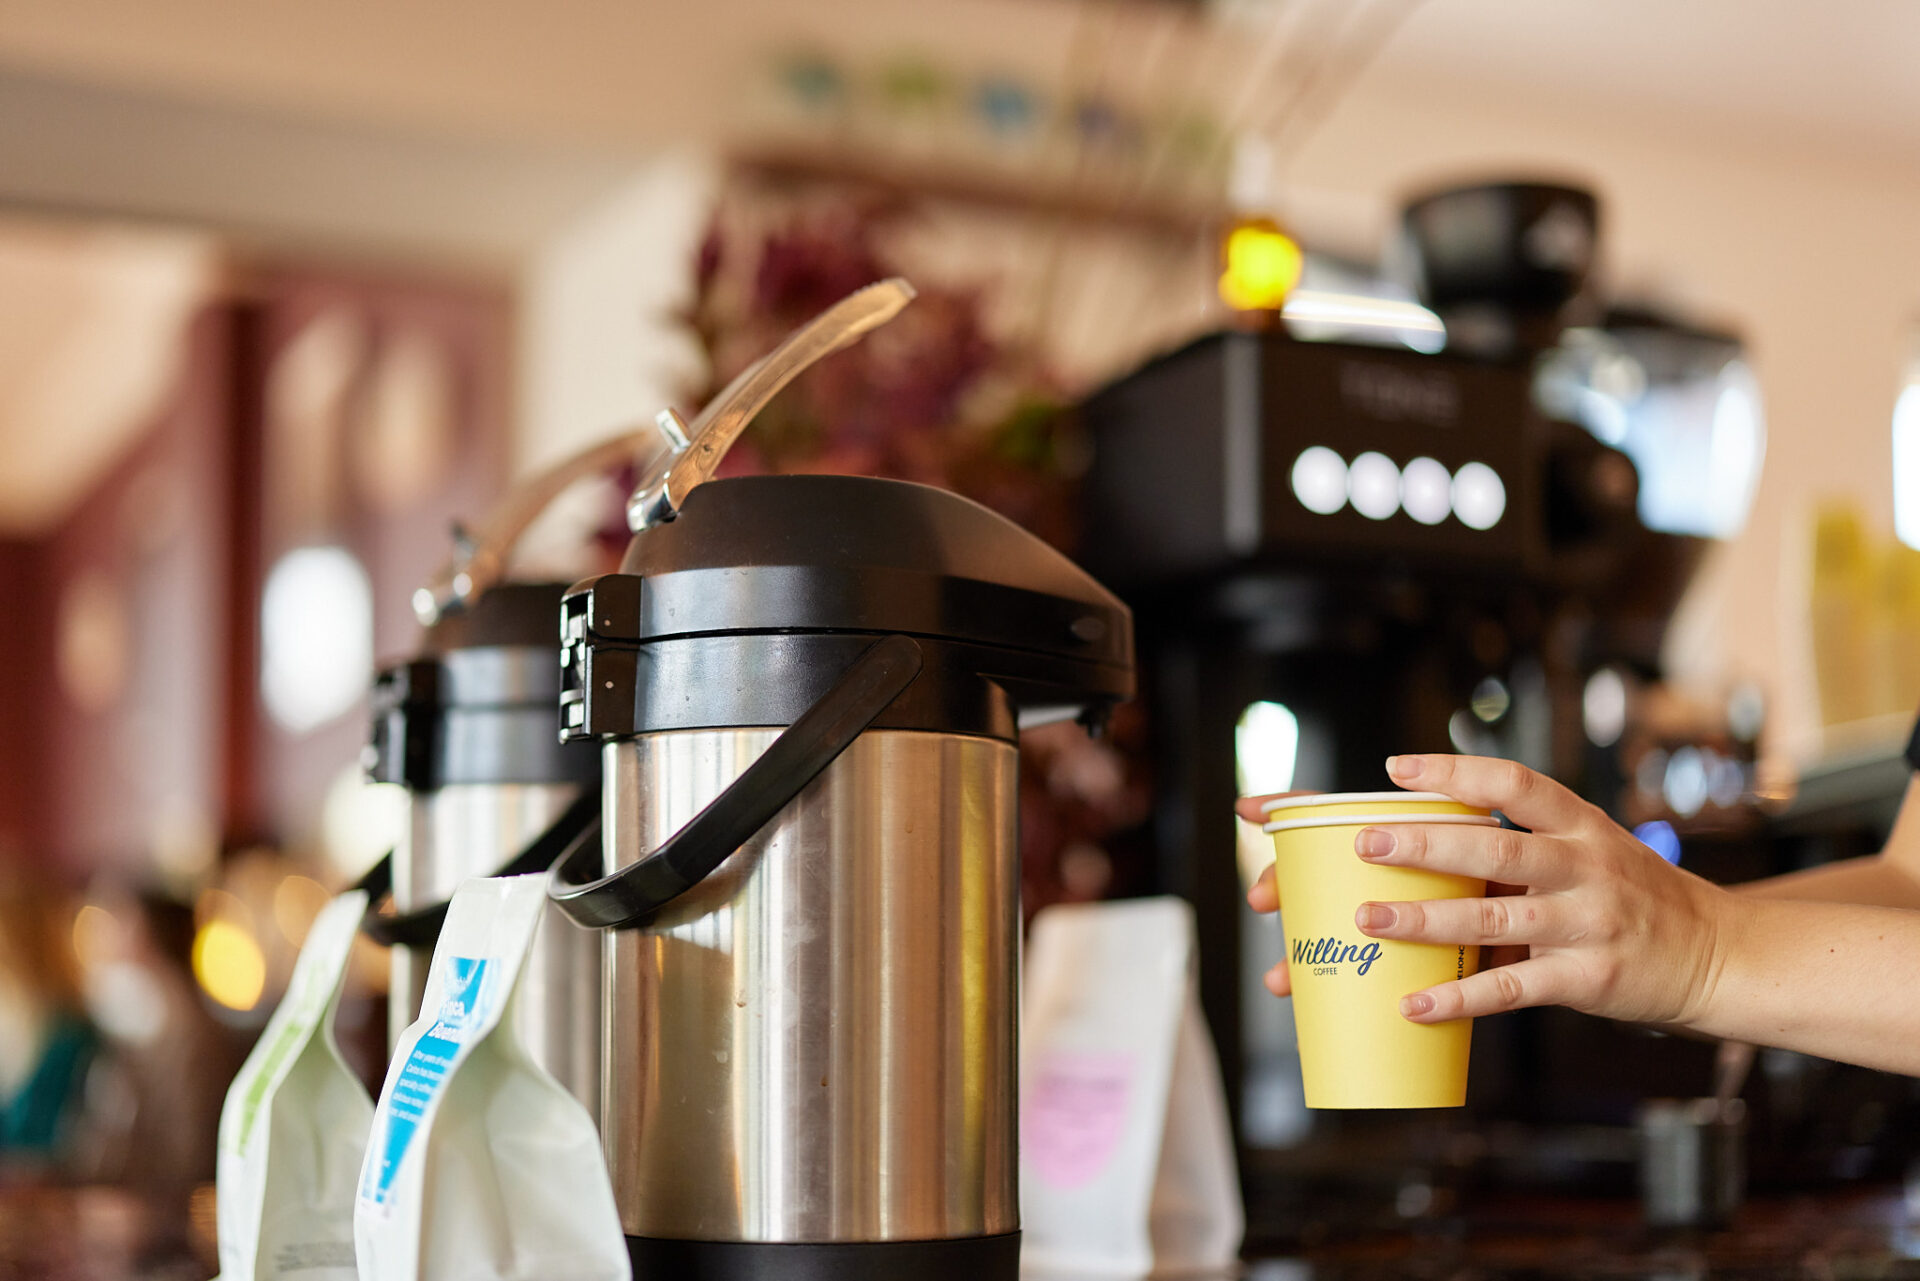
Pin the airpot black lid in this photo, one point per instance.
(849, 553)
(480, 702)
(827, 554)
(511, 613)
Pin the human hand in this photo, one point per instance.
(1264, 898)
(1609, 927)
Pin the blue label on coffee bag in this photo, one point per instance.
(424, 1074)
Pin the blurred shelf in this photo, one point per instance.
(1108, 204)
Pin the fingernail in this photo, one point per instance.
(1373, 916)
(1373, 842)
(1403, 766)
(1272, 980)
(1417, 1004)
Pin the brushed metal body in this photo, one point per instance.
(470, 829)
(818, 1042)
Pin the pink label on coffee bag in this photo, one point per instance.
(1075, 1113)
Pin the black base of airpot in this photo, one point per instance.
(995, 1258)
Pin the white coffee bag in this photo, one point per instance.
(481, 1166)
(1126, 1155)
(294, 1127)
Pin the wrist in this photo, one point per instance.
(1722, 930)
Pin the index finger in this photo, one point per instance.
(1529, 798)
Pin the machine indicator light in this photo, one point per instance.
(1320, 480)
(1479, 498)
(1373, 486)
(1426, 491)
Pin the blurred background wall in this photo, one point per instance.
(1759, 163)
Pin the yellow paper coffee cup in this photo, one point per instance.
(1356, 1051)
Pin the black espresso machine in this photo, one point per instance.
(1338, 551)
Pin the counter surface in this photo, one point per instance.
(102, 1234)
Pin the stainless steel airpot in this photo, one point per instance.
(807, 693)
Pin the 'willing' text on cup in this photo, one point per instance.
(1325, 954)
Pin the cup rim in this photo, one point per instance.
(1356, 798)
(1375, 820)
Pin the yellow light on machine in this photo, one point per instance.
(1259, 265)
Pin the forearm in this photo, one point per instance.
(1833, 980)
(1872, 880)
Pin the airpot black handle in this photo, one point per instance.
(578, 827)
(779, 774)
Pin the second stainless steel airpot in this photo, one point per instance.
(468, 725)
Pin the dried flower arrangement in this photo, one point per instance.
(932, 397)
